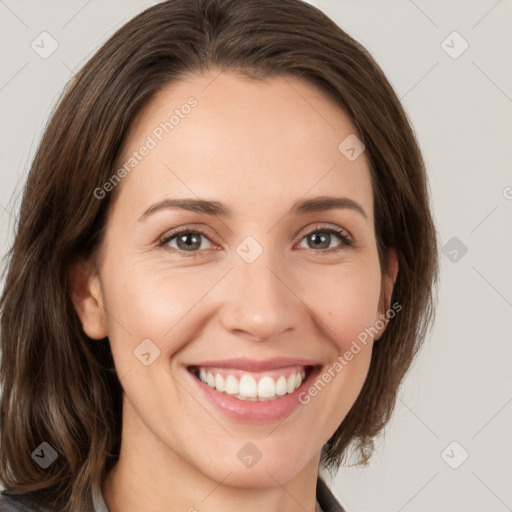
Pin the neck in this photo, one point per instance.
(151, 476)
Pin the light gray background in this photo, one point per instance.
(460, 387)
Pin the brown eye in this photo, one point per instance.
(321, 239)
(186, 241)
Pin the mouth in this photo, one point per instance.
(254, 391)
(253, 386)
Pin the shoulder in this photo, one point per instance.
(16, 503)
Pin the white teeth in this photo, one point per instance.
(290, 384)
(281, 386)
(266, 387)
(231, 385)
(246, 388)
(220, 383)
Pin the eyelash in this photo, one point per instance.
(341, 233)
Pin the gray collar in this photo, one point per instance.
(98, 502)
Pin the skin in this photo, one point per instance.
(255, 146)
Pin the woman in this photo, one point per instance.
(223, 268)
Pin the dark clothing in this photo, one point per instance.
(326, 498)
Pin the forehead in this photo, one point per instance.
(246, 141)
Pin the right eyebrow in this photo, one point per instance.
(193, 205)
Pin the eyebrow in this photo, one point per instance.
(214, 208)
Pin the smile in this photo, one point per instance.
(253, 391)
(256, 387)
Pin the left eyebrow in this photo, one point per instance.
(317, 204)
(324, 203)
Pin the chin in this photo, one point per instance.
(263, 474)
(256, 465)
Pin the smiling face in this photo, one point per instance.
(264, 282)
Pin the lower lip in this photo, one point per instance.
(255, 412)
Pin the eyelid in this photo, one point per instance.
(319, 226)
(188, 228)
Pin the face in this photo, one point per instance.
(221, 263)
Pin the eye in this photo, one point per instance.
(187, 241)
(321, 239)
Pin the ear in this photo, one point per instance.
(85, 290)
(388, 284)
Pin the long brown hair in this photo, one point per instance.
(59, 386)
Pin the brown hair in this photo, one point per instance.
(59, 385)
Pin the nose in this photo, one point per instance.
(259, 301)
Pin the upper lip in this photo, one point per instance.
(254, 365)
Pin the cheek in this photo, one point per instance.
(344, 298)
(153, 301)
(345, 301)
